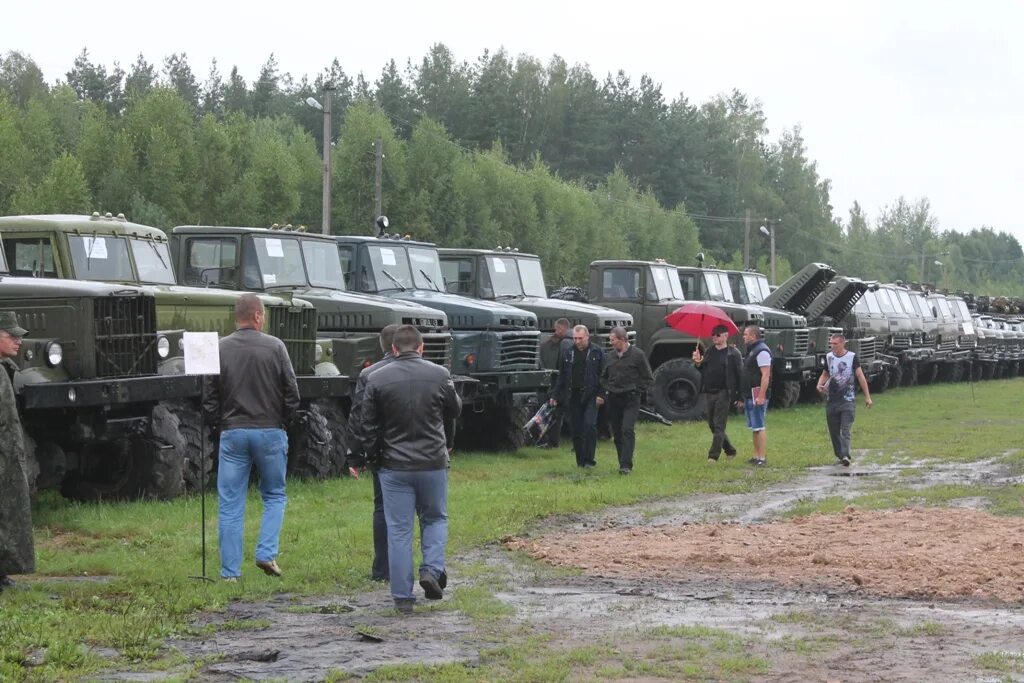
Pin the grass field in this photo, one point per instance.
(118, 576)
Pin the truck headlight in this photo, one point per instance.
(163, 347)
(54, 354)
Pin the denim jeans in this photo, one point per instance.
(240, 449)
(407, 494)
(583, 422)
(839, 417)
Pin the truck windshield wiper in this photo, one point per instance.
(429, 280)
(88, 256)
(157, 252)
(394, 279)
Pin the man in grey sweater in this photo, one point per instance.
(254, 399)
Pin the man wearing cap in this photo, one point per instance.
(17, 553)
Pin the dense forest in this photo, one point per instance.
(502, 151)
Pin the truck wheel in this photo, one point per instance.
(879, 383)
(951, 372)
(895, 373)
(928, 373)
(499, 427)
(31, 463)
(311, 447)
(1013, 369)
(337, 422)
(508, 421)
(785, 394)
(910, 375)
(196, 460)
(988, 370)
(675, 393)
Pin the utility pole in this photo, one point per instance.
(378, 151)
(746, 242)
(772, 239)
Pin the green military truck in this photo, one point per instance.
(280, 260)
(92, 403)
(785, 332)
(493, 342)
(880, 313)
(108, 248)
(518, 279)
(649, 291)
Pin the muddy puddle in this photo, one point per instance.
(795, 625)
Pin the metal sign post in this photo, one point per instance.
(202, 358)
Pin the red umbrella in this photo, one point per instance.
(698, 319)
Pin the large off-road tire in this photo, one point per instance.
(977, 371)
(950, 372)
(31, 463)
(895, 373)
(928, 373)
(785, 394)
(200, 456)
(569, 293)
(809, 392)
(988, 370)
(333, 410)
(149, 466)
(879, 383)
(910, 375)
(1013, 369)
(499, 427)
(311, 447)
(675, 393)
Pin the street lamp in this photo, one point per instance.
(769, 232)
(326, 109)
(940, 264)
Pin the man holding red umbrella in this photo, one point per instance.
(721, 378)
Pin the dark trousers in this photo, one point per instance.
(553, 436)
(622, 413)
(583, 422)
(840, 418)
(379, 569)
(717, 407)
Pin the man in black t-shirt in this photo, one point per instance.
(721, 377)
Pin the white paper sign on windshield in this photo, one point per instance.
(202, 353)
(95, 247)
(269, 278)
(499, 265)
(387, 257)
(274, 248)
(968, 328)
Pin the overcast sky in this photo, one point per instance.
(920, 99)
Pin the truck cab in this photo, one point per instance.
(493, 341)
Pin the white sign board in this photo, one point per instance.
(499, 265)
(274, 248)
(202, 353)
(387, 257)
(95, 247)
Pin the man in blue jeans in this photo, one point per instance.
(757, 377)
(408, 417)
(253, 400)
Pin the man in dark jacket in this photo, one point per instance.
(721, 378)
(552, 352)
(579, 387)
(358, 460)
(17, 551)
(253, 400)
(626, 374)
(408, 415)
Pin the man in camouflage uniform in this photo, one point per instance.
(17, 554)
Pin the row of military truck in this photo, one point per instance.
(110, 412)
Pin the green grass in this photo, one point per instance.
(145, 553)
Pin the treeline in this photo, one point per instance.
(502, 151)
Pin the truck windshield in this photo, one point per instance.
(323, 264)
(532, 275)
(919, 305)
(965, 313)
(101, 257)
(3, 258)
(666, 284)
(905, 303)
(504, 276)
(717, 285)
(944, 310)
(426, 269)
(153, 261)
(885, 302)
(756, 286)
(280, 261)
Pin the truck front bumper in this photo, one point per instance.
(109, 392)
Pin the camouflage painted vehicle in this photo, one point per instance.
(283, 261)
(785, 331)
(111, 249)
(518, 279)
(493, 342)
(649, 291)
(91, 399)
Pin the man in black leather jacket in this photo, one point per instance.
(408, 416)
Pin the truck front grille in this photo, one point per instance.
(437, 348)
(518, 350)
(900, 342)
(801, 341)
(864, 348)
(296, 327)
(125, 335)
(948, 344)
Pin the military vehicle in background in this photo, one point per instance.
(296, 263)
(112, 249)
(649, 291)
(893, 319)
(92, 404)
(493, 342)
(518, 279)
(785, 332)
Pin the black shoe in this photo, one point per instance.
(713, 458)
(589, 465)
(625, 470)
(6, 582)
(844, 461)
(378, 577)
(730, 454)
(430, 585)
(442, 580)
(757, 462)
(404, 606)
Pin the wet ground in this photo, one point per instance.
(671, 611)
